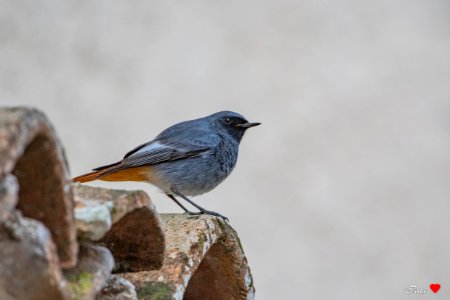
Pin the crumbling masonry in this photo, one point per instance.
(64, 241)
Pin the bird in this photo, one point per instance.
(187, 159)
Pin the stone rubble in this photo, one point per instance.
(117, 288)
(63, 241)
(29, 264)
(128, 225)
(9, 189)
(31, 151)
(95, 264)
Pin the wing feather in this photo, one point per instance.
(181, 141)
(160, 151)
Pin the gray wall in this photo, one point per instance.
(342, 193)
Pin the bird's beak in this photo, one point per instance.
(248, 125)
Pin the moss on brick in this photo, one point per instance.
(80, 284)
(155, 291)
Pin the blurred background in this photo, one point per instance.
(342, 193)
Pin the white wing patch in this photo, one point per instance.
(149, 148)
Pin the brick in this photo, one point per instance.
(29, 264)
(31, 151)
(132, 230)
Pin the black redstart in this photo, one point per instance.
(187, 159)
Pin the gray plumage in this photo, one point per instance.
(189, 158)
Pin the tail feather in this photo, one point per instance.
(116, 173)
(88, 176)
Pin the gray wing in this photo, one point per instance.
(180, 141)
(155, 152)
(161, 150)
(158, 152)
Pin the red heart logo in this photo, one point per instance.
(435, 287)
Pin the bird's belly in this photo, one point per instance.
(191, 177)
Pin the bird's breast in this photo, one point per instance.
(196, 175)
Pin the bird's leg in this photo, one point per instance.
(201, 209)
(186, 211)
(179, 204)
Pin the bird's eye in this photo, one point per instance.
(227, 120)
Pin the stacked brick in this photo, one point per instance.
(64, 241)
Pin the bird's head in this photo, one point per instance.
(232, 123)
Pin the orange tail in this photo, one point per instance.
(88, 177)
(112, 174)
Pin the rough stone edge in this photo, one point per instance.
(26, 230)
(188, 240)
(122, 208)
(95, 264)
(117, 288)
(9, 188)
(33, 123)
